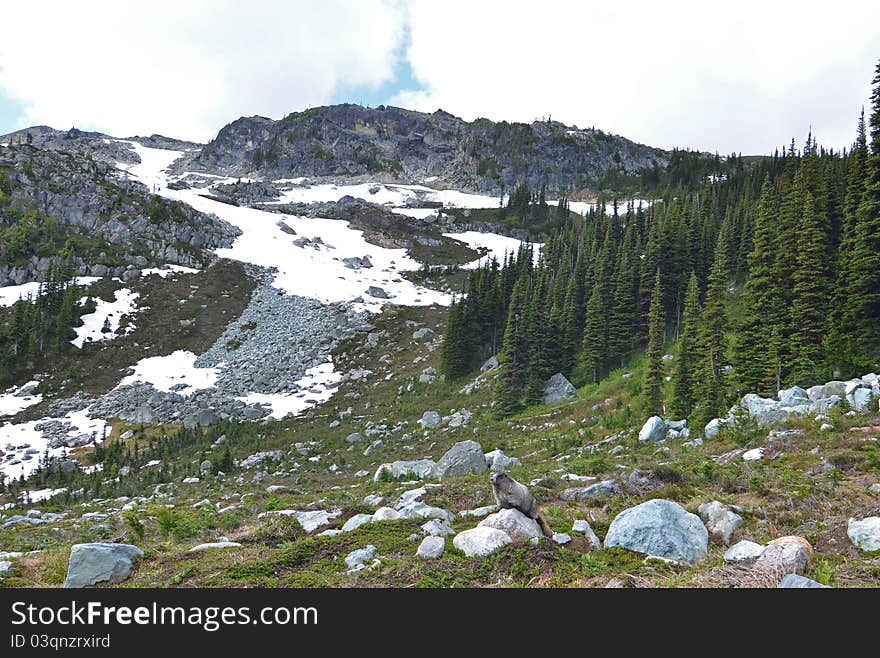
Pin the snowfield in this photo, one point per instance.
(11, 294)
(176, 369)
(106, 312)
(25, 445)
(318, 384)
(494, 245)
(12, 402)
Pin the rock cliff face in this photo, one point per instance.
(116, 223)
(393, 144)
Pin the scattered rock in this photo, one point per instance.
(497, 461)
(355, 560)
(356, 522)
(386, 514)
(216, 544)
(660, 528)
(431, 548)
(416, 469)
(437, 528)
(558, 388)
(309, 521)
(101, 562)
(583, 527)
(431, 420)
(463, 458)
(720, 521)
(480, 541)
(744, 552)
(378, 293)
(593, 492)
(793, 581)
(517, 525)
(653, 431)
(788, 554)
(355, 437)
(865, 533)
(490, 364)
(423, 334)
(561, 538)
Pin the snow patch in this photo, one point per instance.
(493, 246)
(12, 402)
(9, 295)
(168, 269)
(317, 386)
(106, 312)
(166, 372)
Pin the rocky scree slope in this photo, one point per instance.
(394, 144)
(83, 192)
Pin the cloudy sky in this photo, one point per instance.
(740, 76)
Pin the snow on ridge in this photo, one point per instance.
(9, 295)
(110, 312)
(168, 269)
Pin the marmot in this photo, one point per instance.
(510, 494)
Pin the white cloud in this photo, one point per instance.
(742, 76)
(187, 68)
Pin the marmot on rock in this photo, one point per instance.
(510, 494)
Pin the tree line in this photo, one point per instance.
(766, 277)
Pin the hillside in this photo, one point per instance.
(397, 145)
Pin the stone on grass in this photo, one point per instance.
(309, 521)
(720, 521)
(793, 581)
(216, 544)
(660, 528)
(744, 552)
(480, 541)
(414, 469)
(557, 388)
(653, 431)
(431, 547)
(516, 524)
(786, 555)
(431, 420)
(593, 492)
(464, 458)
(437, 528)
(355, 560)
(865, 533)
(356, 522)
(100, 562)
(386, 514)
(583, 527)
(498, 462)
(561, 538)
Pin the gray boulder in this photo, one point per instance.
(583, 527)
(6, 568)
(437, 528)
(516, 524)
(480, 541)
(558, 388)
(793, 396)
(824, 405)
(423, 334)
(417, 468)
(865, 533)
(593, 492)
(207, 417)
(720, 521)
(860, 399)
(490, 364)
(498, 462)
(431, 420)
(378, 293)
(653, 431)
(355, 560)
(660, 528)
(101, 562)
(713, 427)
(464, 458)
(785, 555)
(744, 552)
(355, 437)
(431, 548)
(356, 522)
(827, 390)
(793, 581)
(216, 544)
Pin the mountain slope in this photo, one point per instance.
(395, 144)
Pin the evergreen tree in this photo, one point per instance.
(809, 295)
(683, 374)
(513, 360)
(652, 387)
(710, 383)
